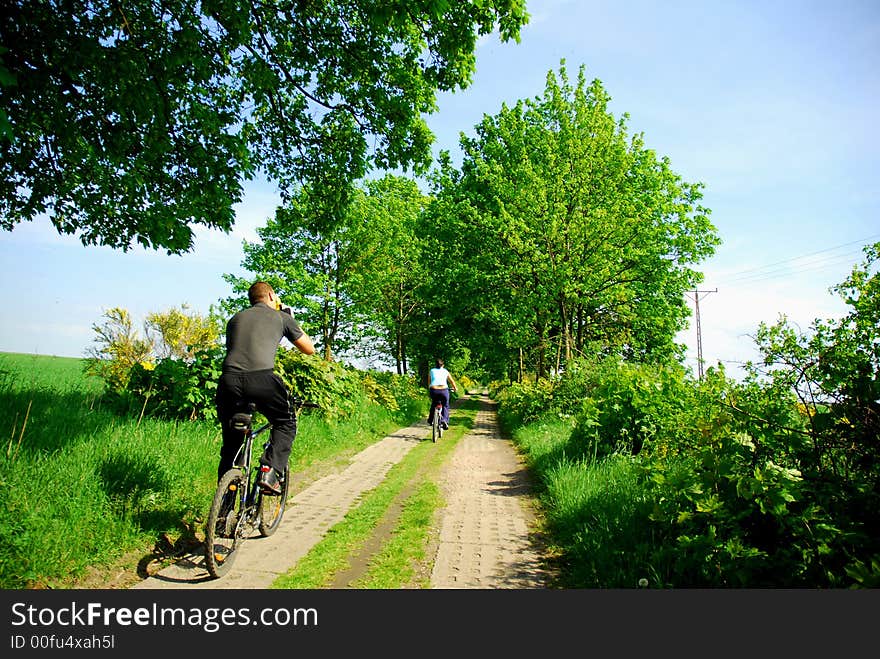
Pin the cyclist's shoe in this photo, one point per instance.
(444, 425)
(221, 553)
(269, 480)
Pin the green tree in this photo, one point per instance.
(356, 279)
(570, 235)
(310, 268)
(388, 284)
(177, 334)
(118, 346)
(133, 122)
(835, 373)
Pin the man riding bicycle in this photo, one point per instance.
(439, 383)
(252, 339)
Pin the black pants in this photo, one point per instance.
(269, 393)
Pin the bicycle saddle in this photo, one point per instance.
(242, 420)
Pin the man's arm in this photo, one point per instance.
(292, 328)
(305, 345)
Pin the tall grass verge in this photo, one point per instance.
(596, 512)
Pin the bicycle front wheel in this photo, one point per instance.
(223, 533)
(272, 507)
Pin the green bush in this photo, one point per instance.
(523, 402)
(184, 388)
(466, 384)
(175, 388)
(624, 408)
(738, 485)
(399, 394)
(334, 387)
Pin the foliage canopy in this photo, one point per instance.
(132, 122)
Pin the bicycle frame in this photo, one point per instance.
(251, 494)
(242, 421)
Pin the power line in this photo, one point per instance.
(821, 264)
(784, 267)
(862, 241)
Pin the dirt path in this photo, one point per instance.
(486, 530)
(484, 538)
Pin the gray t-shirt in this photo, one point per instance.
(253, 335)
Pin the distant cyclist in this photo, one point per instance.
(439, 383)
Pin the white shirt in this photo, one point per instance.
(438, 377)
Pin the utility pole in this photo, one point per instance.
(696, 294)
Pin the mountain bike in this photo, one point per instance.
(240, 508)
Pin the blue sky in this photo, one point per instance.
(772, 105)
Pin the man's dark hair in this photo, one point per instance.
(259, 292)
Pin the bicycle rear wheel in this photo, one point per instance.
(436, 428)
(223, 532)
(272, 507)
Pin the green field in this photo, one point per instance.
(85, 489)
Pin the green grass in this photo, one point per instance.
(82, 488)
(596, 513)
(394, 565)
